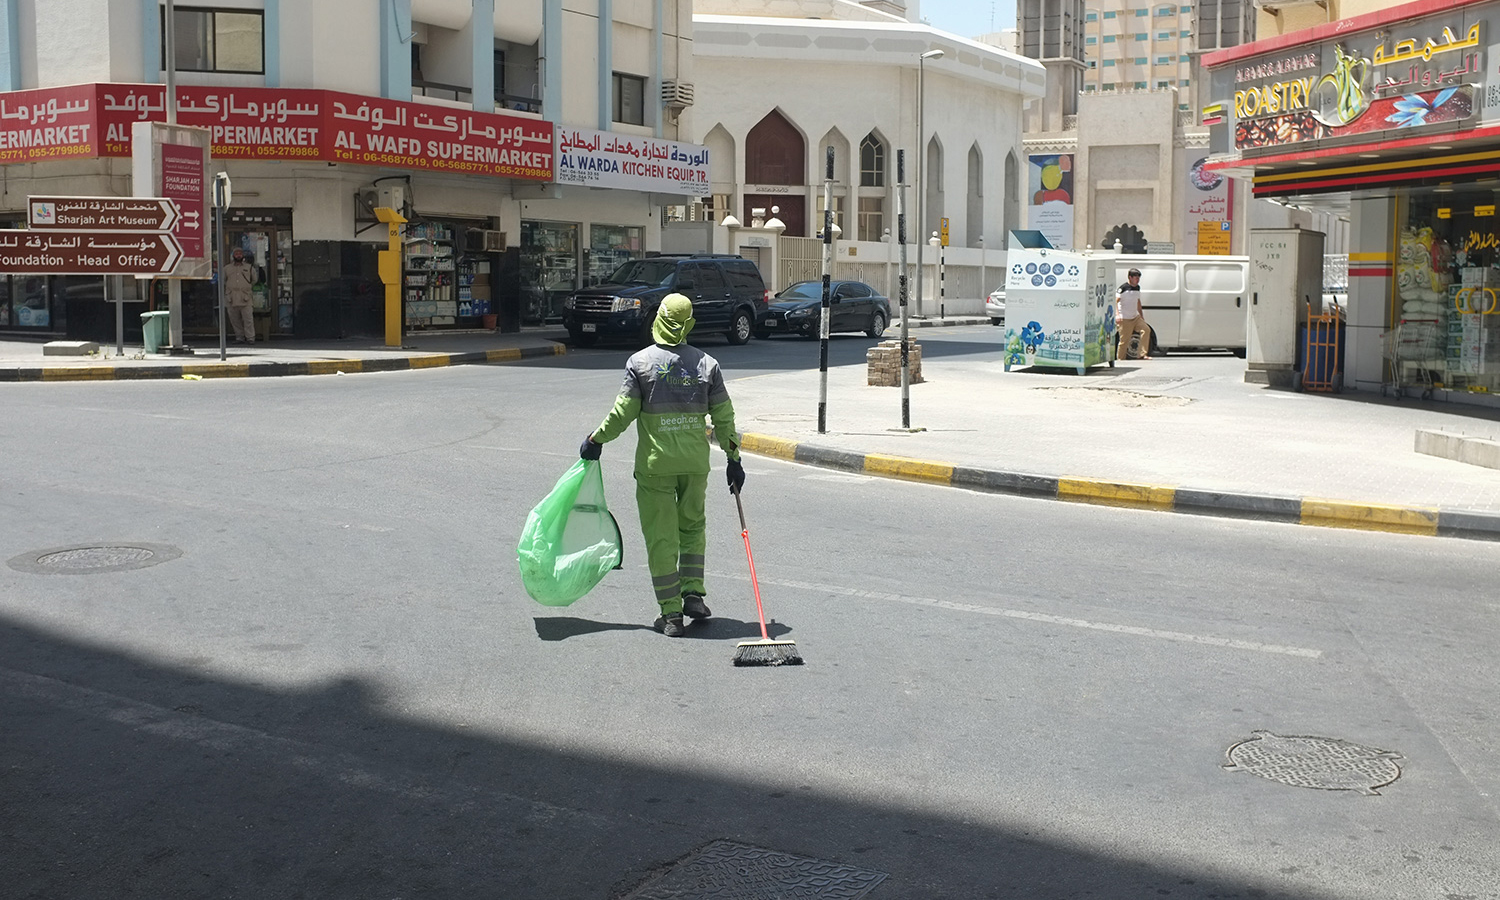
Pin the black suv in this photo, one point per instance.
(727, 292)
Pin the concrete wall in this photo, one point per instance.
(1125, 163)
(1303, 14)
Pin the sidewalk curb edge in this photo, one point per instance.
(274, 369)
(1314, 511)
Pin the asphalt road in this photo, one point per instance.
(339, 689)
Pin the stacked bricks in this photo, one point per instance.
(883, 363)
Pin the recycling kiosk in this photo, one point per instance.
(1059, 306)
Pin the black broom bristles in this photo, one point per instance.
(767, 653)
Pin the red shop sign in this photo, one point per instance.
(52, 123)
(286, 124)
(421, 136)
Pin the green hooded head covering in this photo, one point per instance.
(674, 319)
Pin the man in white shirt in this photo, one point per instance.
(1130, 319)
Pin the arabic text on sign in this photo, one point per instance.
(1408, 49)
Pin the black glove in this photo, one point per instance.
(590, 448)
(735, 473)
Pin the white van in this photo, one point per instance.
(1195, 302)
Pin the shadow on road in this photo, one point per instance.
(719, 628)
(123, 777)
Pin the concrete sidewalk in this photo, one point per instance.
(1182, 432)
(25, 361)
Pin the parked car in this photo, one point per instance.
(728, 297)
(853, 306)
(994, 306)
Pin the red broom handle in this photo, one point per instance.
(754, 584)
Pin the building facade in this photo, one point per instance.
(531, 146)
(769, 142)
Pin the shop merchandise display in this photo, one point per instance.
(1448, 316)
(442, 284)
(1473, 330)
(1447, 331)
(1424, 272)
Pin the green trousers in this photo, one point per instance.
(673, 523)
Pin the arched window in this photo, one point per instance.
(1012, 205)
(775, 152)
(974, 213)
(871, 162)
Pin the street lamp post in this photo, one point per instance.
(921, 152)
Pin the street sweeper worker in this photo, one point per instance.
(671, 391)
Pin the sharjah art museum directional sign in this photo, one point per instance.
(93, 236)
(102, 213)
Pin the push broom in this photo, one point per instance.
(764, 652)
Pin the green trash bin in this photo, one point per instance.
(154, 327)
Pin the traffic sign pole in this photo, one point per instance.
(221, 201)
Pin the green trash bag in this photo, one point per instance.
(570, 539)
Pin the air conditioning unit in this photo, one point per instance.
(480, 240)
(676, 95)
(391, 195)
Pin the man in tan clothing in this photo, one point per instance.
(238, 278)
(1130, 318)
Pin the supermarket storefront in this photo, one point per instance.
(1392, 118)
(301, 161)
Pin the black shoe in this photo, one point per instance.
(671, 626)
(693, 606)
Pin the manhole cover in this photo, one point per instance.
(93, 560)
(725, 870)
(1314, 762)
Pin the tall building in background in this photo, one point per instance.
(1227, 23)
(1097, 46)
(1133, 46)
(1051, 32)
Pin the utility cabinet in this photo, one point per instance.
(1286, 277)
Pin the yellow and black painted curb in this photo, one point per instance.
(1170, 498)
(272, 369)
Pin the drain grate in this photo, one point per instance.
(1323, 763)
(94, 560)
(725, 870)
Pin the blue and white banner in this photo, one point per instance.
(630, 162)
